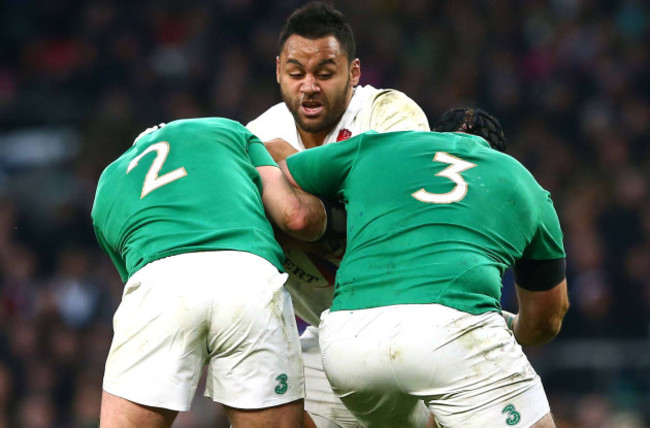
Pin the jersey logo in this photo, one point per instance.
(513, 415)
(344, 134)
(282, 386)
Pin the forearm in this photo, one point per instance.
(295, 212)
(298, 214)
(310, 220)
(540, 315)
(529, 333)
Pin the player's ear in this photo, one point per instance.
(355, 72)
(277, 69)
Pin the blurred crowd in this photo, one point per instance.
(569, 80)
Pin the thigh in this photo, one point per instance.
(158, 346)
(288, 415)
(254, 350)
(117, 412)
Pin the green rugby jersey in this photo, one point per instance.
(188, 186)
(432, 217)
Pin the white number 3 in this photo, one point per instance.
(152, 181)
(453, 173)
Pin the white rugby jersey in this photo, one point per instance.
(381, 110)
(311, 276)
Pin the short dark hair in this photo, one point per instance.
(315, 20)
(473, 121)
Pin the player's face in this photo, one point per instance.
(316, 80)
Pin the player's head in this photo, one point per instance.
(316, 66)
(473, 121)
(316, 20)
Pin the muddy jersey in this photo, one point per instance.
(311, 274)
(432, 218)
(189, 186)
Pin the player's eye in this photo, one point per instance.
(325, 76)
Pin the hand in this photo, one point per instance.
(279, 149)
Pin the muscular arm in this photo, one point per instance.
(297, 213)
(540, 314)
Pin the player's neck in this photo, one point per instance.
(310, 140)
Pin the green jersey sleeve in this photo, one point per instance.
(258, 153)
(321, 170)
(547, 239)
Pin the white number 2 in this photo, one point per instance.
(453, 173)
(152, 181)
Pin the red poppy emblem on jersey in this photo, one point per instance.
(344, 134)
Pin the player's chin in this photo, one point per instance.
(312, 124)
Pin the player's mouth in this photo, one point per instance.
(311, 108)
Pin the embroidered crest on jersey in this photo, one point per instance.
(344, 134)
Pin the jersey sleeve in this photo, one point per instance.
(543, 262)
(394, 111)
(322, 170)
(547, 240)
(258, 153)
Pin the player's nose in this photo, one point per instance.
(309, 84)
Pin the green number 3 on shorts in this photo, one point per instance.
(282, 384)
(513, 415)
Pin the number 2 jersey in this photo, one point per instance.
(432, 218)
(189, 186)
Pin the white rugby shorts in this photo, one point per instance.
(325, 408)
(323, 405)
(224, 309)
(468, 369)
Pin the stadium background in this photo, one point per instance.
(569, 79)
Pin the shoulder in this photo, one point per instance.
(278, 110)
(276, 122)
(392, 97)
(516, 167)
(396, 101)
(523, 182)
(392, 110)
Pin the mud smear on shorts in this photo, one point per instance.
(394, 355)
(277, 312)
(475, 340)
(237, 314)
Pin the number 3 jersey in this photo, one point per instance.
(432, 218)
(189, 186)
